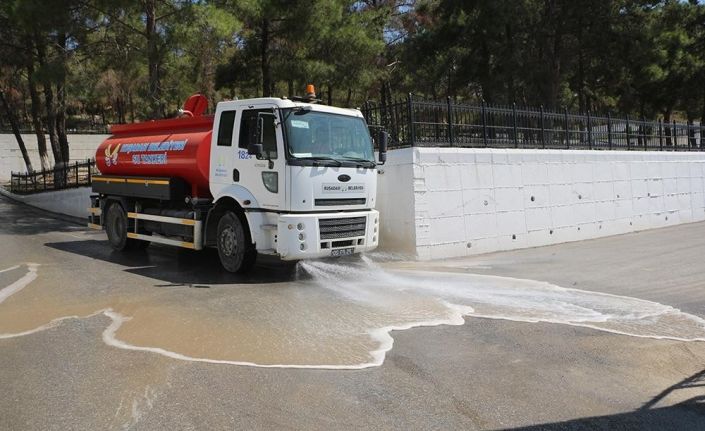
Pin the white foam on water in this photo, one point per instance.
(52, 324)
(110, 339)
(506, 298)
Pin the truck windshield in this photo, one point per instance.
(323, 136)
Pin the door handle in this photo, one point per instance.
(236, 175)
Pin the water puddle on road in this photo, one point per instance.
(330, 315)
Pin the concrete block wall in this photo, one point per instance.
(470, 201)
(395, 201)
(81, 147)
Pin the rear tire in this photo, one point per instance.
(116, 226)
(236, 253)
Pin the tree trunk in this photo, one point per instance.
(207, 84)
(485, 73)
(264, 59)
(120, 109)
(16, 130)
(153, 59)
(36, 108)
(330, 95)
(667, 127)
(702, 125)
(582, 103)
(61, 99)
(132, 107)
(509, 33)
(50, 108)
(551, 47)
(349, 98)
(692, 142)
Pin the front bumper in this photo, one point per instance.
(300, 236)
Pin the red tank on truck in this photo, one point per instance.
(281, 176)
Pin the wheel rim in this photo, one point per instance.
(228, 245)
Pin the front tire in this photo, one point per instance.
(236, 253)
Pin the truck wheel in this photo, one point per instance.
(236, 254)
(116, 225)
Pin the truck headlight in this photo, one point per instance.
(300, 226)
(302, 236)
(271, 181)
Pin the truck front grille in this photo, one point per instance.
(345, 201)
(335, 228)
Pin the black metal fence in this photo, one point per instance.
(417, 122)
(77, 174)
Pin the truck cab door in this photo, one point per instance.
(239, 174)
(262, 175)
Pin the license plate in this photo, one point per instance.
(342, 252)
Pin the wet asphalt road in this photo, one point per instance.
(485, 374)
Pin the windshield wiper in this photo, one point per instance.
(369, 163)
(321, 158)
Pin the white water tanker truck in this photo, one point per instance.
(277, 176)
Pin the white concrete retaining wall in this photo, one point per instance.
(81, 147)
(469, 201)
(72, 202)
(395, 202)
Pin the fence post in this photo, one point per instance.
(484, 123)
(543, 129)
(450, 121)
(90, 166)
(629, 143)
(660, 135)
(44, 178)
(412, 134)
(675, 136)
(609, 130)
(589, 130)
(565, 126)
(514, 125)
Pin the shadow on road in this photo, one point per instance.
(179, 267)
(686, 415)
(20, 219)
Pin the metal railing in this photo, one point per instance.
(417, 122)
(71, 175)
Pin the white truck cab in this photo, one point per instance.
(309, 191)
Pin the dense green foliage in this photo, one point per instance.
(86, 63)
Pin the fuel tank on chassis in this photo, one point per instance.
(164, 148)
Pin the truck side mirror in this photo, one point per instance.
(254, 144)
(383, 141)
